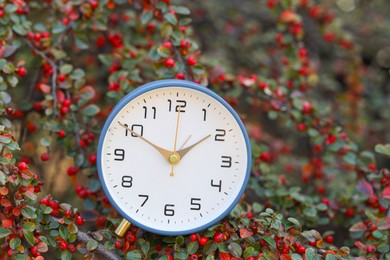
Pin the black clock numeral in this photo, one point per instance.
(146, 112)
(143, 196)
(120, 154)
(226, 162)
(204, 114)
(127, 181)
(219, 185)
(195, 205)
(139, 129)
(168, 210)
(220, 135)
(179, 103)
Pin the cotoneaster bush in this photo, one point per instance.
(312, 105)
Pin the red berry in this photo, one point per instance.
(313, 243)
(167, 45)
(371, 249)
(55, 213)
(22, 166)
(45, 35)
(72, 170)
(307, 107)
(72, 248)
(61, 78)
(180, 76)
(329, 239)
(67, 102)
(92, 159)
(218, 237)
(130, 237)
(54, 204)
(101, 221)
(79, 220)
(68, 213)
(266, 157)
(61, 134)
(45, 157)
(63, 245)
(349, 212)
(10, 253)
(64, 110)
(203, 241)
(34, 251)
(191, 60)
(193, 237)
(45, 201)
(118, 244)
(169, 63)
(301, 250)
(21, 71)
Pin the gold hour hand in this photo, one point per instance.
(184, 151)
(165, 153)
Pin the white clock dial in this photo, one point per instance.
(206, 181)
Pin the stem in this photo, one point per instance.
(53, 77)
(100, 250)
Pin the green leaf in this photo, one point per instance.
(235, 249)
(192, 247)
(145, 245)
(77, 74)
(12, 80)
(4, 232)
(210, 247)
(166, 30)
(134, 255)
(14, 243)
(63, 232)
(310, 253)
(250, 251)
(19, 29)
(146, 17)
(28, 226)
(170, 18)
(296, 257)
(383, 248)
(105, 59)
(46, 141)
(29, 237)
(181, 10)
(66, 69)
(58, 28)
(66, 255)
(270, 241)
(163, 51)
(350, 158)
(94, 185)
(153, 54)
(383, 149)
(5, 139)
(92, 245)
(91, 110)
(29, 213)
(295, 222)
(81, 43)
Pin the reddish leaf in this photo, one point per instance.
(358, 227)
(384, 224)
(45, 88)
(3, 191)
(244, 233)
(386, 193)
(365, 187)
(224, 256)
(42, 247)
(360, 245)
(5, 203)
(16, 211)
(285, 257)
(7, 223)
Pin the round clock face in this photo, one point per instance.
(173, 157)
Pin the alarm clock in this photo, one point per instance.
(174, 158)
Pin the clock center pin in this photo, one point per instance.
(174, 158)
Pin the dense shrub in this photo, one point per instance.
(309, 80)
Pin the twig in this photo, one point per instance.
(76, 128)
(53, 77)
(100, 250)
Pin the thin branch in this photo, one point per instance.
(53, 77)
(100, 250)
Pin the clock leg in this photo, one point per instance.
(121, 230)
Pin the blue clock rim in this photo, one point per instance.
(156, 85)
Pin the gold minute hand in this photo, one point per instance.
(184, 151)
(165, 153)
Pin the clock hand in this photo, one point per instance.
(175, 158)
(184, 151)
(185, 142)
(165, 153)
